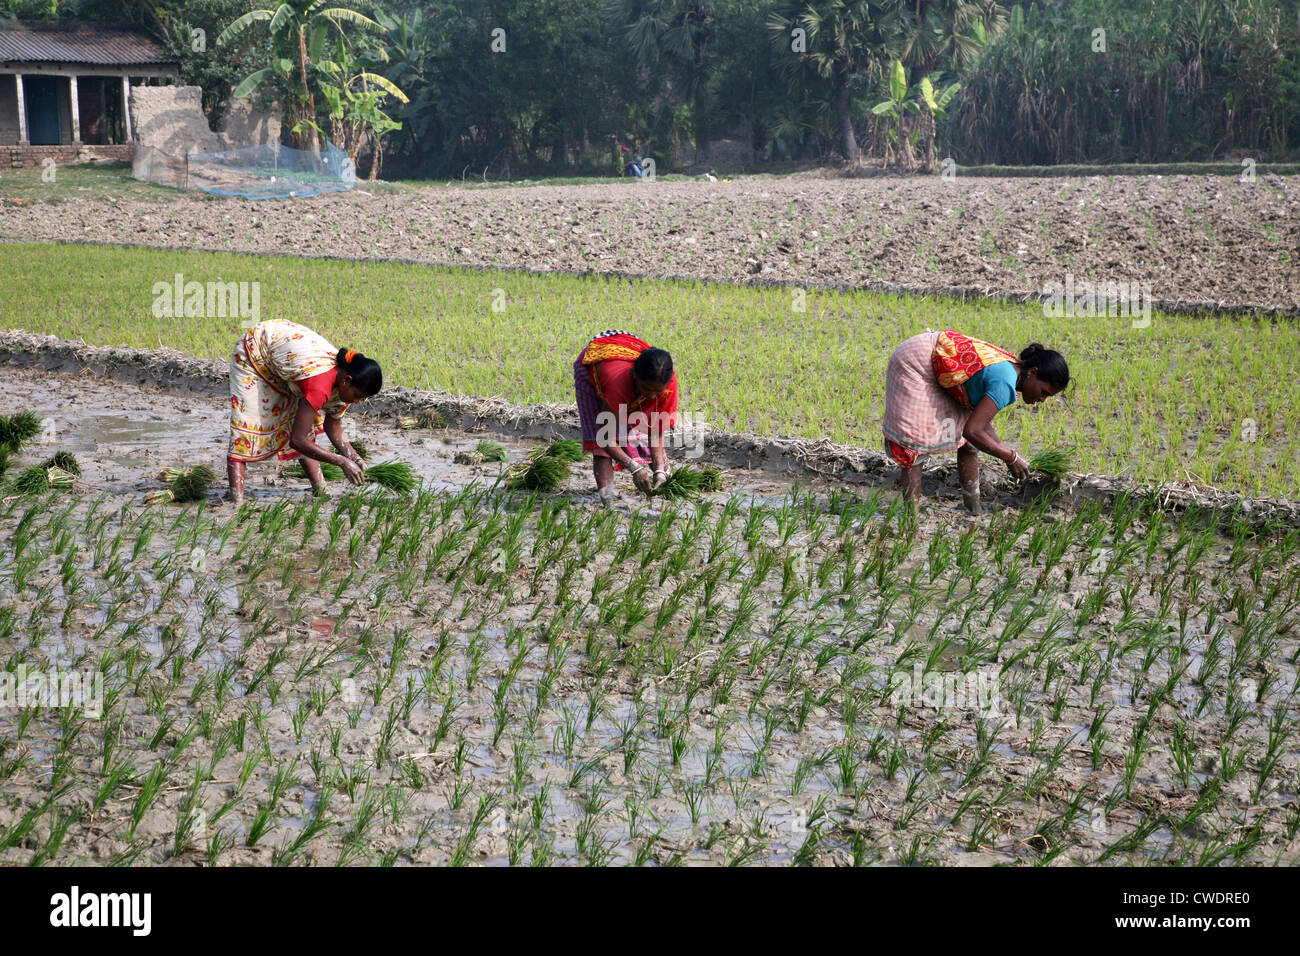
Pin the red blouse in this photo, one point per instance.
(316, 390)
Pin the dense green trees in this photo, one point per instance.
(503, 88)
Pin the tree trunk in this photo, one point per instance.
(700, 126)
(843, 117)
(559, 143)
(311, 100)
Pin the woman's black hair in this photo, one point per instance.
(364, 371)
(1050, 364)
(654, 365)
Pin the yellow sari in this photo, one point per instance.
(266, 368)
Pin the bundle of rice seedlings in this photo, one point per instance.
(32, 481)
(360, 448)
(543, 473)
(568, 449)
(185, 485)
(486, 451)
(38, 479)
(684, 483)
(331, 472)
(193, 484)
(711, 479)
(1054, 463)
(394, 475)
(431, 418)
(63, 460)
(18, 429)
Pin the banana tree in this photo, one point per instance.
(299, 31)
(921, 100)
(353, 103)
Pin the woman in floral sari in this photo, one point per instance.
(287, 385)
(627, 400)
(943, 390)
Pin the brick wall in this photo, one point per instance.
(15, 157)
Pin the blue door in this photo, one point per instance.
(42, 93)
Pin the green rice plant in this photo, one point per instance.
(396, 476)
(1054, 462)
(711, 480)
(360, 448)
(18, 429)
(150, 789)
(544, 473)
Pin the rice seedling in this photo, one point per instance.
(1053, 462)
(544, 473)
(431, 417)
(682, 483)
(711, 480)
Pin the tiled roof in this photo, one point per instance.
(70, 41)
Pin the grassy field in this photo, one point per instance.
(1186, 397)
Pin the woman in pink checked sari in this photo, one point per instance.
(942, 390)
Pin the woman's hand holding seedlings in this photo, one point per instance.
(1018, 466)
(353, 471)
(644, 480)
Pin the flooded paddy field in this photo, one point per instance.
(776, 674)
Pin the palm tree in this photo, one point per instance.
(845, 39)
(951, 33)
(298, 30)
(672, 36)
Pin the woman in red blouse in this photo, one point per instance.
(287, 385)
(627, 400)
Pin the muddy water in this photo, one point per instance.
(124, 436)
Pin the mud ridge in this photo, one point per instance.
(174, 371)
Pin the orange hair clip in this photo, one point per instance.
(349, 355)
